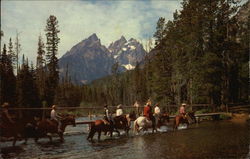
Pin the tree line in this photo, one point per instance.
(201, 56)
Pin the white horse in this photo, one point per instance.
(142, 123)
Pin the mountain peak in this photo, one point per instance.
(93, 37)
(123, 38)
(132, 40)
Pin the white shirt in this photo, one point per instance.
(157, 110)
(136, 104)
(53, 114)
(119, 112)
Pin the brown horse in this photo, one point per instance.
(179, 119)
(46, 126)
(100, 126)
(123, 122)
(163, 120)
(11, 130)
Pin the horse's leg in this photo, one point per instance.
(111, 133)
(25, 140)
(176, 124)
(127, 131)
(50, 138)
(117, 132)
(90, 136)
(99, 135)
(14, 141)
(36, 139)
(61, 136)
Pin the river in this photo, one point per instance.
(211, 139)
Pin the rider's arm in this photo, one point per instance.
(107, 112)
(59, 116)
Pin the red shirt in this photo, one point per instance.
(147, 112)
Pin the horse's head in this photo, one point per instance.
(164, 117)
(69, 120)
(132, 116)
(191, 115)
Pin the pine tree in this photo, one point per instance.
(40, 69)
(17, 50)
(26, 88)
(52, 61)
(8, 80)
(12, 54)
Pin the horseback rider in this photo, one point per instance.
(120, 117)
(157, 113)
(5, 116)
(182, 110)
(119, 111)
(107, 115)
(147, 112)
(55, 117)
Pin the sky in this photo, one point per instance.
(79, 19)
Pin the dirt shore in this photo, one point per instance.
(240, 117)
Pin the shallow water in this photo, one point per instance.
(217, 139)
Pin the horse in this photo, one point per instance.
(46, 126)
(123, 122)
(12, 130)
(179, 119)
(163, 120)
(100, 126)
(142, 123)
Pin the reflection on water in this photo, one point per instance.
(222, 139)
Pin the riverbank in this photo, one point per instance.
(240, 117)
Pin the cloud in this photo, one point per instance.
(79, 19)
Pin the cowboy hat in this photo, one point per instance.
(183, 104)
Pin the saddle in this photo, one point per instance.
(52, 121)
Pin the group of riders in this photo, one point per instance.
(148, 112)
(55, 117)
(152, 115)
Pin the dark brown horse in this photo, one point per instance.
(100, 126)
(123, 122)
(11, 130)
(46, 127)
(163, 120)
(180, 119)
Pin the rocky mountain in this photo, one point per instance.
(89, 59)
(86, 61)
(127, 53)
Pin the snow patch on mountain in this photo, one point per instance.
(129, 66)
